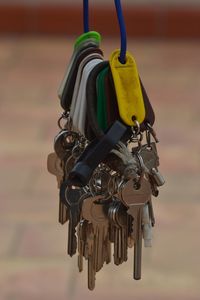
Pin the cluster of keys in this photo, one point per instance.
(105, 159)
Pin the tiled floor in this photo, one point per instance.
(33, 259)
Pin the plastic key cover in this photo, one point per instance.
(80, 110)
(128, 89)
(91, 36)
(78, 78)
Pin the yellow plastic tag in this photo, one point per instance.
(128, 89)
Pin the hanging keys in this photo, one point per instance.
(105, 169)
(150, 163)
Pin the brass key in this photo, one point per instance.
(94, 213)
(54, 166)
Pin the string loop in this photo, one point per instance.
(122, 57)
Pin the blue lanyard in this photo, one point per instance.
(122, 26)
(86, 15)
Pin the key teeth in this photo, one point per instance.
(134, 212)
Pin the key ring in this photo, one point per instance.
(68, 124)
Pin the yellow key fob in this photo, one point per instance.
(128, 89)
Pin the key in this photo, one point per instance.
(54, 166)
(154, 188)
(96, 214)
(63, 215)
(114, 231)
(120, 217)
(157, 176)
(72, 198)
(118, 220)
(130, 232)
(150, 158)
(135, 201)
(82, 238)
(91, 257)
(107, 250)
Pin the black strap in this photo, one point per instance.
(94, 154)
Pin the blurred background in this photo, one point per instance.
(36, 43)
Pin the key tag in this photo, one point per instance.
(128, 89)
(90, 36)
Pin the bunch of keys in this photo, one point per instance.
(105, 158)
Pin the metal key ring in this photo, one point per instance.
(64, 116)
(136, 128)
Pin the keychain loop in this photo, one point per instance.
(86, 16)
(64, 116)
(122, 57)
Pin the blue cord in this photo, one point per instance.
(122, 57)
(122, 26)
(86, 15)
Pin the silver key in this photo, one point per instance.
(157, 176)
(119, 221)
(72, 198)
(121, 218)
(135, 201)
(150, 158)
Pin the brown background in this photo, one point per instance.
(33, 259)
(166, 19)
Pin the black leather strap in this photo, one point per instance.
(94, 154)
